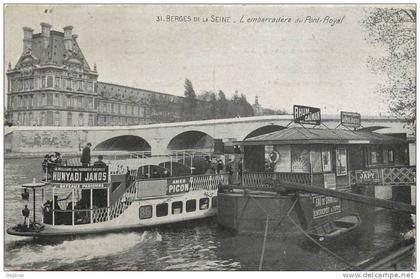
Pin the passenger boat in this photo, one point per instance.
(89, 200)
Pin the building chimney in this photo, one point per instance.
(27, 38)
(45, 29)
(68, 38)
(45, 33)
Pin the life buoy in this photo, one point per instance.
(274, 156)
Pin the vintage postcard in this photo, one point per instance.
(209, 137)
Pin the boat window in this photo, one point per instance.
(177, 207)
(145, 212)
(191, 205)
(204, 203)
(214, 202)
(161, 210)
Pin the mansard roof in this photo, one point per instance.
(53, 52)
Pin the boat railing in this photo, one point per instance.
(264, 179)
(133, 192)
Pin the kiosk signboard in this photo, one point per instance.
(367, 176)
(350, 119)
(324, 206)
(306, 115)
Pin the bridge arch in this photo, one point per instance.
(264, 130)
(123, 143)
(192, 139)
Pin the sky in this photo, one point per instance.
(314, 63)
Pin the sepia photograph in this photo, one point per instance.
(209, 137)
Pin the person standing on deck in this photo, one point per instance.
(85, 159)
(25, 213)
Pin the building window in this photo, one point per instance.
(79, 102)
(161, 210)
(204, 203)
(191, 205)
(50, 82)
(49, 99)
(25, 101)
(56, 100)
(90, 123)
(145, 212)
(50, 118)
(100, 120)
(73, 102)
(80, 85)
(80, 119)
(31, 101)
(68, 101)
(90, 103)
(68, 84)
(57, 82)
(43, 120)
(57, 119)
(69, 119)
(177, 207)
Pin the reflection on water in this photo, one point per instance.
(197, 245)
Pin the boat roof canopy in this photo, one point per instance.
(300, 135)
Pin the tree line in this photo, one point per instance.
(212, 105)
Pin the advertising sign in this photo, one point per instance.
(324, 206)
(350, 119)
(306, 115)
(367, 176)
(178, 185)
(80, 175)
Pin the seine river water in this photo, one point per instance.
(197, 245)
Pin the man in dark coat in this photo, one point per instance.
(100, 162)
(85, 159)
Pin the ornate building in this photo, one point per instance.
(53, 85)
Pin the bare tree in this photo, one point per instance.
(395, 30)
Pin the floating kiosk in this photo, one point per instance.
(88, 200)
(308, 179)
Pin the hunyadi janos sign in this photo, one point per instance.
(80, 175)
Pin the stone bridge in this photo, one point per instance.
(163, 138)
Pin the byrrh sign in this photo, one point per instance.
(351, 119)
(306, 115)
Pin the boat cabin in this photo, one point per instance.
(330, 158)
